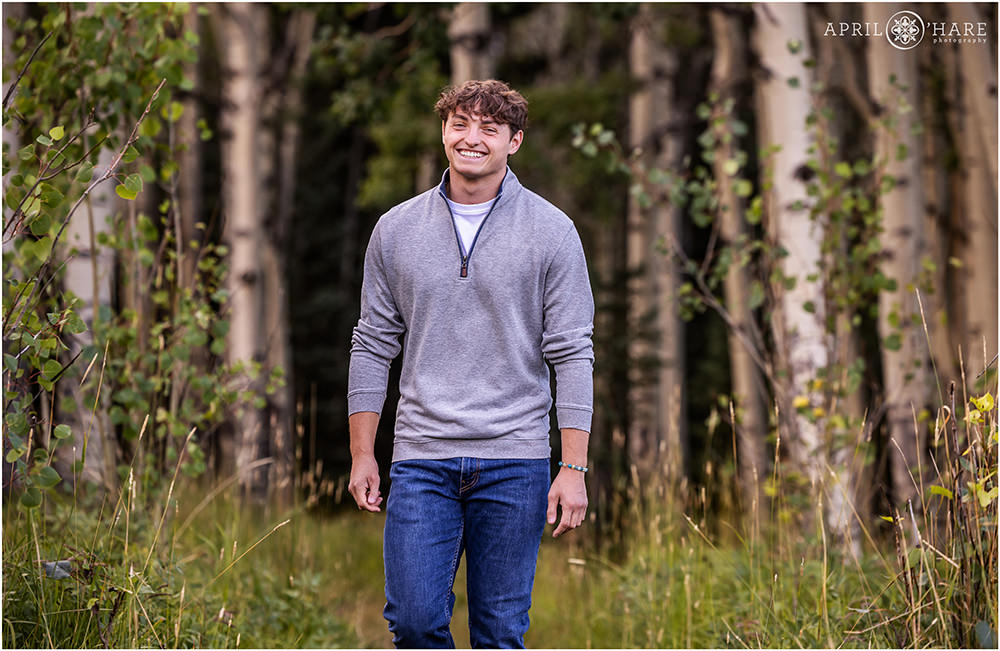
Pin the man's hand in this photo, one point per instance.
(569, 491)
(364, 483)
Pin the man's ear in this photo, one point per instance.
(515, 141)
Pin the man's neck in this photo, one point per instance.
(471, 191)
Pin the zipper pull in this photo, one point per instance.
(465, 267)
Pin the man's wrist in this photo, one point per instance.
(577, 467)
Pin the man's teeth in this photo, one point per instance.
(471, 154)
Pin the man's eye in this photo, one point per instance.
(491, 131)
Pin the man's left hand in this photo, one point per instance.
(569, 491)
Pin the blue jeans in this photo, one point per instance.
(494, 511)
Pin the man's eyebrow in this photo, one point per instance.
(483, 120)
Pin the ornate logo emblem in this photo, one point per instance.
(905, 30)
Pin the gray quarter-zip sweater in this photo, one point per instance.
(477, 327)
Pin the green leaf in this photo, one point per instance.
(130, 154)
(62, 432)
(756, 295)
(40, 225)
(51, 369)
(86, 172)
(942, 491)
(134, 183)
(744, 188)
(57, 133)
(48, 477)
(17, 425)
(14, 454)
(26, 153)
(31, 498)
(123, 192)
(9, 362)
(843, 170)
(731, 167)
(984, 403)
(43, 140)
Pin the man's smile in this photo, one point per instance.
(469, 153)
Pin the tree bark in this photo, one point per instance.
(241, 92)
(975, 120)
(728, 73)
(904, 358)
(90, 276)
(849, 491)
(299, 34)
(979, 92)
(800, 340)
(940, 307)
(189, 186)
(469, 32)
(656, 341)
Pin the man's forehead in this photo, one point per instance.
(473, 114)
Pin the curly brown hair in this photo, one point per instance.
(489, 98)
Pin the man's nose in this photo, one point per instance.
(472, 136)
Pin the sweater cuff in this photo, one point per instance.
(365, 401)
(574, 417)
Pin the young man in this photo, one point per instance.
(485, 282)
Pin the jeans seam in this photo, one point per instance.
(454, 571)
(472, 482)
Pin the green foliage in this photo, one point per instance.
(78, 576)
(155, 365)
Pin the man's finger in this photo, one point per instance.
(551, 513)
(373, 495)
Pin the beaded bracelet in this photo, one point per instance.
(572, 467)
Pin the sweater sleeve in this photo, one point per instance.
(568, 326)
(375, 342)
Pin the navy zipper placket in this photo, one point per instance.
(464, 272)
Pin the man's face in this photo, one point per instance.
(477, 147)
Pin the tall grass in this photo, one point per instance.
(185, 565)
(160, 566)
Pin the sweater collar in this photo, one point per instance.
(508, 187)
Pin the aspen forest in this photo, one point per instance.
(789, 215)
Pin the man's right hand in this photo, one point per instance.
(364, 483)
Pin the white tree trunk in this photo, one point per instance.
(979, 92)
(783, 105)
(241, 197)
(976, 123)
(10, 141)
(469, 31)
(728, 72)
(904, 367)
(189, 187)
(656, 437)
(89, 274)
(849, 490)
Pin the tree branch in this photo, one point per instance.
(7, 323)
(10, 91)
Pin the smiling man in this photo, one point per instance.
(486, 284)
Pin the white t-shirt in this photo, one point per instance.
(468, 217)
